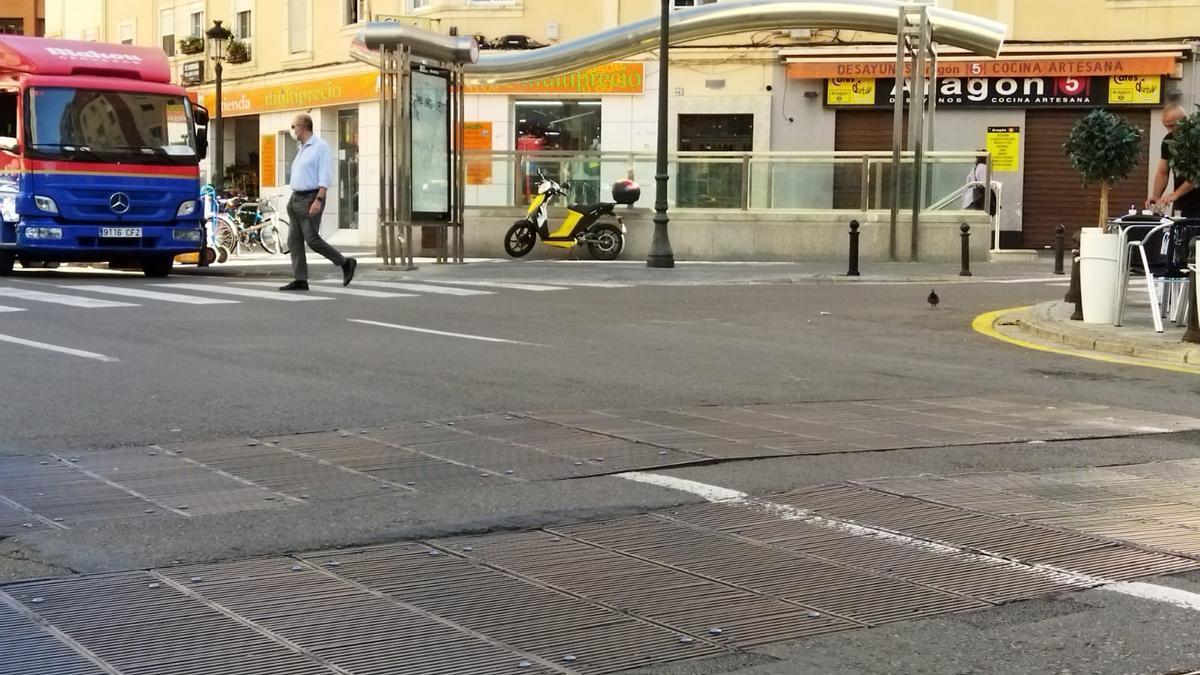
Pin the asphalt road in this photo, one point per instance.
(161, 372)
(265, 366)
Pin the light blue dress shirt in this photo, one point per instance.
(312, 167)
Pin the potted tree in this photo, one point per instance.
(238, 52)
(1104, 149)
(191, 45)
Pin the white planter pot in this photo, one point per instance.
(1098, 255)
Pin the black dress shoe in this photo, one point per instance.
(348, 268)
(295, 286)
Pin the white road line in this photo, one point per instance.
(247, 292)
(153, 295)
(595, 284)
(55, 348)
(500, 284)
(464, 336)
(718, 495)
(359, 292)
(4, 309)
(416, 288)
(59, 299)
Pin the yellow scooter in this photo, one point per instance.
(584, 224)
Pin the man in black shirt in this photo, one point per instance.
(1183, 198)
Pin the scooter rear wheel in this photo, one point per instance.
(606, 242)
(519, 239)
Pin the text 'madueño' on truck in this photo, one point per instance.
(99, 156)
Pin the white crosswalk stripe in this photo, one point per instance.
(11, 309)
(59, 299)
(246, 292)
(358, 292)
(516, 286)
(418, 288)
(133, 292)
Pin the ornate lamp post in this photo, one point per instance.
(218, 38)
(661, 254)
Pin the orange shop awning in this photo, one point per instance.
(1072, 65)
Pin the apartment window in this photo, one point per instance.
(12, 26)
(166, 29)
(196, 22)
(127, 32)
(414, 5)
(354, 11)
(91, 34)
(244, 25)
(493, 2)
(683, 4)
(297, 26)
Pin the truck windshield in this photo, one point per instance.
(91, 125)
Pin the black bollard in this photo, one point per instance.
(1060, 235)
(853, 271)
(1192, 334)
(966, 250)
(1073, 290)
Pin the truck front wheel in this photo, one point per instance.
(6, 263)
(158, 267)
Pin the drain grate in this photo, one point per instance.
(855, 594)
(344, 625)
(61, 495)
(956, 574)
(149, 631)
(525, 616)
(25, 649)
(681, 601)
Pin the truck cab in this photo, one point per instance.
(99, 156)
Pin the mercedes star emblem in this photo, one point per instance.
(119, 202)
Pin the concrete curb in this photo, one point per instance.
(1040, 322)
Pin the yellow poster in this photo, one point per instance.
(850, 91)
(266, 161)
(1004, 145)
(478, 136)
(1135, 89)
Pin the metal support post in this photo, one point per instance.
(898, 126)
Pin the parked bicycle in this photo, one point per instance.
(242, 225)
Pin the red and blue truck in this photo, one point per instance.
(99, 156)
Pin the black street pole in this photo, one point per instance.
(219, 149)
(660, 247)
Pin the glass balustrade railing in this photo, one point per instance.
(731, 181)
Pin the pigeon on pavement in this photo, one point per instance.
(933, 299)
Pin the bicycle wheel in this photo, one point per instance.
(227, 233)
(281, 229)
(268, 238)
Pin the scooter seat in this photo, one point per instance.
(598, 207)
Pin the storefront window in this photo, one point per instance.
(709, 183)
(568, 126)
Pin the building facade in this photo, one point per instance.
(786, 90)
(23, 17)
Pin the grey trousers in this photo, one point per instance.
(306, 229)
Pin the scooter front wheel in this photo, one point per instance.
(519, 239)
(606, 242)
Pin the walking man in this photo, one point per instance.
(1183, 198)
(311, 176)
